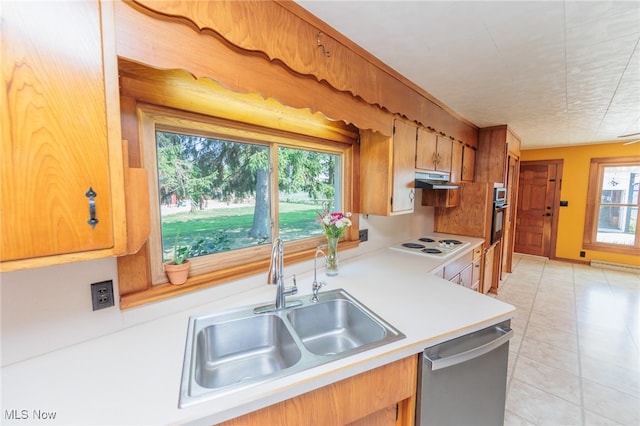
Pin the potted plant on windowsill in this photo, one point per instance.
(177, 269)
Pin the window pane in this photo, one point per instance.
(308, 182)
(620, 184)
(617, 225)
(214, 194)
(618, 211)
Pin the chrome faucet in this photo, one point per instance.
(276, 276)
(316, 286)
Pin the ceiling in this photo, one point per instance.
(557, 72)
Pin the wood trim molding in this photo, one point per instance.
(593, 192)
(286, 34)
(157, 41)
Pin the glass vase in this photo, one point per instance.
(332, 257)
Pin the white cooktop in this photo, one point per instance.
(431, 246)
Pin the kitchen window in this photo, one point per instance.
(612, 205)
(228, 189)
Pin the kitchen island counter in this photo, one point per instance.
(133, 376)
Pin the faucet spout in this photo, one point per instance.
(276, 275)
(276, 266)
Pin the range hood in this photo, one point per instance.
(434, 180)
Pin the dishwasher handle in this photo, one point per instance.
(437, 363)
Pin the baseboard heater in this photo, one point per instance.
(616, 266)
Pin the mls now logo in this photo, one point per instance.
(16, 414)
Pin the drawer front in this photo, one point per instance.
(477, 252)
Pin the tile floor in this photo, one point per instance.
(574, 359)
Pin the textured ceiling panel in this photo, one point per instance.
(558, 72)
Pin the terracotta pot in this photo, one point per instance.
(177, 274)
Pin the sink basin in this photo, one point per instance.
(237, 349)
(243, 349)
(334, 326)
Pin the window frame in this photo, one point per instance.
(594, 195)
(152, 118)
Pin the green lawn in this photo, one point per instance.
(227, 228)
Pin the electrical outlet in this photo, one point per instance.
(364, 235)
(102, 295)
(582, 254)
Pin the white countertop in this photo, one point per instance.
(133, 376)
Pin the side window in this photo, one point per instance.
(612, 211)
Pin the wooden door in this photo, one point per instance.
(54, 130)
(538, 193)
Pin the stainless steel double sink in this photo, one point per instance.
(237, 349)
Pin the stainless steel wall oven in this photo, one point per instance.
(499, 211)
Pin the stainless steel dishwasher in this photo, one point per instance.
(463, 381)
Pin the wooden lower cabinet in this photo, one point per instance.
(465, 271)
(476, 274)
(460, 271)
(383, 396)
(488, 277)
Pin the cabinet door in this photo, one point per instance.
(456, 162)
(404, 174)
(476, 274)
(455, 279)
(466, 276)
(54, 130)
(426, 150)
(468, 164)
(443, 154)
(487, 280)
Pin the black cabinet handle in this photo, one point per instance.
(91, 195)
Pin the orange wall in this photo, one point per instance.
(575, 176)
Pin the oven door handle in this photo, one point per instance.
(437, 363)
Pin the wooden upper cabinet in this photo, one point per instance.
(404, 171)
(495, 146)
(468, 164)
(433, 152)
(387, 170)
(55, 147)
(456, 162)
(426, 147)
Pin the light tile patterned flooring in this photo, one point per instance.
(574, 359)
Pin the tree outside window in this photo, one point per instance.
(218, 192)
